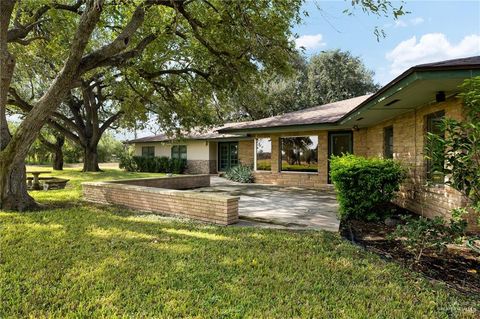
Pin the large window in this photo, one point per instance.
(148, 151)
(388, 142)
(179, 152)
(263, 154)
(300, 153)
(434, 164)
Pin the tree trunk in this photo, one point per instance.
(58, 153)
(13, 189)
(58, 160)
(90, 159)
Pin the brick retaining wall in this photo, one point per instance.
(214, 208)
(173, 182)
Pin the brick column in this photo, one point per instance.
(323, 156)
(246, 152)
(276, 156)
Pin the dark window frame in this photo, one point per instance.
(430, 120)
(177, 151)
(148, 151)
(387, 143)
(268, 166)
(306, 170)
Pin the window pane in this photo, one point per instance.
(388, 142)
(300, 153)
(148, 151)
(264, 154)
(435, 164)
(183, 152)
(179, 152)
(175, 153)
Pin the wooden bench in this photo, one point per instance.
(54, 183)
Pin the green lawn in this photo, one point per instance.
(85, 261)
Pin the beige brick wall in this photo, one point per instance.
(306, 180)
(246, 152)
(409, 131)
(213, 208)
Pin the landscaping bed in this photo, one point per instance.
(457, 266)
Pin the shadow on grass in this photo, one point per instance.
(101, 261)
(97, 261)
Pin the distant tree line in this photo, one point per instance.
(323, 78)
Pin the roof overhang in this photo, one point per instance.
(409, 93)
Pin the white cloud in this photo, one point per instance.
(310, 42)
(417, 21)
(431, 47)
(400, 24)
(407, 23)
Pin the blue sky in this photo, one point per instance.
(433, 31)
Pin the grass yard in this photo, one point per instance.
(81, 260)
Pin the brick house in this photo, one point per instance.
(293, 149)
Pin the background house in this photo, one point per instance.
(205, 151)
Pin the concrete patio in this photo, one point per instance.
(280, 207)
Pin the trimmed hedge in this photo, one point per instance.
(159, 165)
(364, 186)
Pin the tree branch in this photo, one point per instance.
(150, 75)
(20, 31)
(110, 121)
(118, 45)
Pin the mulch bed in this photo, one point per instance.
(458, 268)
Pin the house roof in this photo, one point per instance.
(462, 63)
(194, 134)
(327, 113)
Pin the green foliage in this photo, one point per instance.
(159, 164)
(240, 173)
(127, 162)
(337, 75)
(365, 185)
(420, 233)
(459, 148)
(326, 77)
(109, 148)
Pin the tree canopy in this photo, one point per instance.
(177, 57)
(323, 78)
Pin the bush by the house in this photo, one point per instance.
(364, 185)
(127, 162)
(240, 173)
(159, 164)
(420, 234)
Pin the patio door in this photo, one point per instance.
(339, 143)
(227, 155)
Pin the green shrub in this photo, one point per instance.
(176, 166)
(127, 162)
(423, 233)
(240, 173)
(159, 164)
(364, 185)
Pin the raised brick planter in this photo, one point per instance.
(165, 195)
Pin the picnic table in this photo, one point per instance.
(36, 183)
